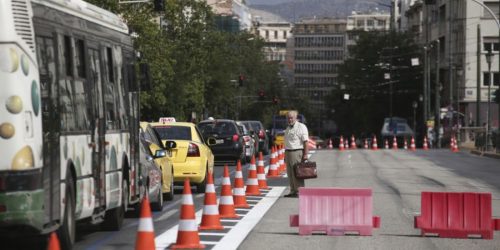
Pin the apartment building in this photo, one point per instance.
(457, 35)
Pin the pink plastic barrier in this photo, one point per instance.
(335, 211)
(456, 215)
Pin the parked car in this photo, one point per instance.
(229, 142)
(154, 143)
(254, 134)
(263, 136)
(150, 174)
(192, 157)
(396, 127)
(249, 141)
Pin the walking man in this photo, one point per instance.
(296, 142)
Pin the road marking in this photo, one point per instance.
(236, 234)
(166, 215)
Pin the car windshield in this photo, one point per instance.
(174, 132)
(219, 128)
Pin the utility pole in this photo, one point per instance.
(437, 105)
(478, 82)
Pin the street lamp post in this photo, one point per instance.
(489, 56)
(415, 105)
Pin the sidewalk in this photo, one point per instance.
(473, 150)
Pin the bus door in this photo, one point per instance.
(98, 126)
(46, 48)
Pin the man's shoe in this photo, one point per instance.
(291, 195)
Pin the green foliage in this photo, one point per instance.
(362, 77)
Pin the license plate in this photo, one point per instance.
(219, 141)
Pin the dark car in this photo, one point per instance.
(259, 129)
(229, 142)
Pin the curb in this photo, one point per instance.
(486, 154)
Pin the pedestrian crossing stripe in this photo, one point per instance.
(237, 233)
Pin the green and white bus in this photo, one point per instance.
(68, 118)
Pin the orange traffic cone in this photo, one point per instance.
(346, 146)
(145, 233)
(252, 183)
(455, 145)
(273, 166)
(330, 145)
(412, 144)
(394, 143)
(353, 142)
(386, 144)
(374, 144)
(211, 218)
(341, 144)
(54, 242)
(425, 146)
(239, 197)
(282, 160)
(261, 173)
(405, 146)
(187, 234)
(366, 144)
(226, 203)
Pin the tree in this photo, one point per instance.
(363, 78)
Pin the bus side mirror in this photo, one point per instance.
(145, 77)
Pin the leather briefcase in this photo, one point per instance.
(306, 170)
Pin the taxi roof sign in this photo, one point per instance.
(166, 119)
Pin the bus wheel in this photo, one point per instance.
(67, 230)
(114, 218)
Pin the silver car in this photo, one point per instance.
(151, 174)
(249, 141)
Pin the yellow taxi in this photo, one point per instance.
(153, 140)
(192, 157)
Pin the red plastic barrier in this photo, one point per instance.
(335, 211)
(456, 215)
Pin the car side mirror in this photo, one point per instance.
(160, 153)
(211, 141)
(170, 144)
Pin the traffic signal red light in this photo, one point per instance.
(240, 80)
(261, 94)
(276, 100)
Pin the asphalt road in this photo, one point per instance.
(397, 179)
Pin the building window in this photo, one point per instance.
(284, 34)
(267, 34)
(370, 23)
(381, 23)
(275, 34)
(487, 77)
(360, 23)
(493, 46)
(493, 6)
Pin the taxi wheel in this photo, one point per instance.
(170, 195)
(200, 187)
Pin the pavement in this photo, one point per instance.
(473, 150)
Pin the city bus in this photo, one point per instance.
(68, 120)
(279, 123)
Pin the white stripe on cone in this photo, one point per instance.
(252, 181)
(239, 191)
(211, 210)
(210, 188)
(226, 181)
(260, 163)
(146, 225)
(261, 176)
(238, 174)
(187, 199)
(226, 200)
(252, 167)
(188, 225)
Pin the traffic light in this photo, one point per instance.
(241, 79)
(276, 100)
(496, 96)
(159, 5)
(261, 94)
